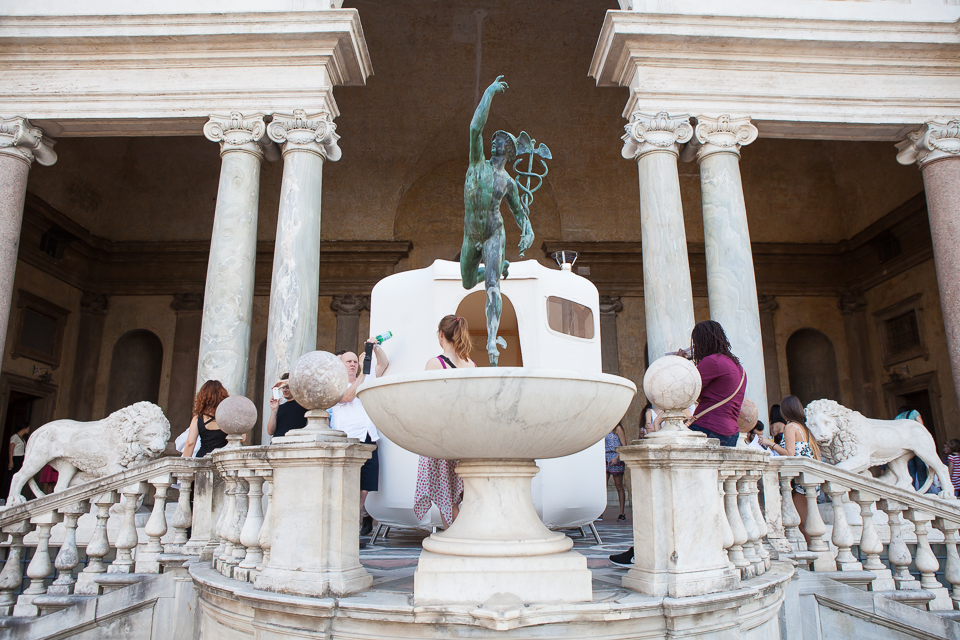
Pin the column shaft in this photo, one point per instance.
(935, 147)
(93, 310)
(20, 143)
(308, 140)
(667, 293)
(184, 365)
(228, 296)
(771, 361)
(731, 283)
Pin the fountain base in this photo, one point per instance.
(498, 550)
(555, 578)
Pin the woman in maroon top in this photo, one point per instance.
(722, 377)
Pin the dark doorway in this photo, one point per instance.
(20, 410)
(812, 366)
(920, 401)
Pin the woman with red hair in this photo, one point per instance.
(204, 422)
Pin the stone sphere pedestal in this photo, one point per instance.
(496, 422)
(315, 510)
(674, 475)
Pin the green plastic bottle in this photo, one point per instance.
(383, 337)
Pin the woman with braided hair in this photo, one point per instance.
(437, 482)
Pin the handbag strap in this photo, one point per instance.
(743, 377)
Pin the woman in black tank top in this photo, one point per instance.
(203, 426)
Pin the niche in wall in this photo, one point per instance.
(812, 366)
(472, 308)
(135, 369)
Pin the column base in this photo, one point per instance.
(682, 584)
(86, 584)
(555, 578)
(314, 584)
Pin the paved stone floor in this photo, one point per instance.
(392, 561)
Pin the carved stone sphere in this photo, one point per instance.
(672, 383)
(318, 380)
(236, 415)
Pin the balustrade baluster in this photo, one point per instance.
(12, 575)
(842, 536)
(791, 518)
(870, 544)
(156, 528)
(897, 552)
(927, 563)
(239, 551)
(250, 533)
(753, 488)
(228, 514)
(750, 524)
(68, 558)
(97, 547)
(952, 571)
(182, 517)
(266, 530)
(40, 566)
(127, 538)
(815, 526)
(735, 552)
(725, 532)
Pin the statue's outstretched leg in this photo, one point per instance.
(493, 259)
(470, 270)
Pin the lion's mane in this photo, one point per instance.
(128, 424)
(845, 443)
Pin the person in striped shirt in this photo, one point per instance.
(952, 449)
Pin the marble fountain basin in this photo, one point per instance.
(496, 422)
(504, 412)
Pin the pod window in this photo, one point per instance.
(570, 318)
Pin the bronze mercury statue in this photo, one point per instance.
(487, 183)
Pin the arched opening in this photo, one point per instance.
(135, 369)
(472, 309)
(812, 366)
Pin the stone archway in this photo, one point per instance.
(135, 369)
(812, 366)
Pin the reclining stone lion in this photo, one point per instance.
(83, 451)
(854, 443)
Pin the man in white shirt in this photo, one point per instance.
(349, 416)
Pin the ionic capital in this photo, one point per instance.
(237, 132)
(767, 303)
(611, 304)
(300, 131)
(723, 135)
(934, 141)
(850, 303)
(95, 304)
(660, 132)
(23, 141)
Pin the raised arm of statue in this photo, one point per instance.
(480, 119)
(522, 215)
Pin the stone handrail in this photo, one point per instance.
(846, 489)
(88, 490)
(159, 552)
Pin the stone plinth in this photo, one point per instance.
(679, 550)
(314, 538)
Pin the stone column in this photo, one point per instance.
(186, 355)
(771, 361)
(853, 307)
(731, 284)
(610, 306)
(308, 141)
(652, 140)
(228, 297)
(348, 310)
(93, 311)
(20, 143)
(936, 150)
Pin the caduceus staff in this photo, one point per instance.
(528, 146)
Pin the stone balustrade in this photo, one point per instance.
(28, 531)
(876, 521)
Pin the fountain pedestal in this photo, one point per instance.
(496, 422)
(498, 550)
